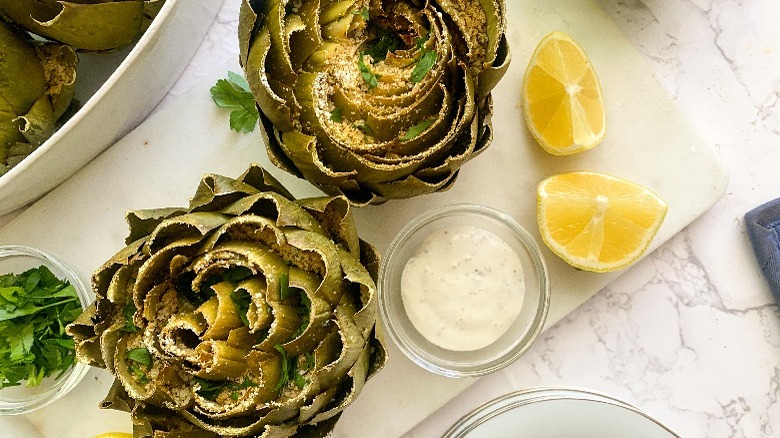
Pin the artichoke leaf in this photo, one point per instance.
(87, 26)
(270, 206)
(357, 378)
(38, 124)
(59, 65)
(143, 222)
(22, 77)
(335, 214)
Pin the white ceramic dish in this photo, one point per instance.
(117, 91)
(558, 412)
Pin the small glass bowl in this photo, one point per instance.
(506, 349)
(15, 259)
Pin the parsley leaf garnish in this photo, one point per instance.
(210, 390)
(380, 47)
(234, 93)
(241, 299)
(336, 116)
(424, 65)
(363, 13)
(365, 128)
(417, 129)
(140, 361)
(368, 75)
(128, 312)
(35, 307)
(285, 375)
(140, 355)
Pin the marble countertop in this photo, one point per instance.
(691, 333)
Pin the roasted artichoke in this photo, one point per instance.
(36, 87)
(374, 99)
(249, 313)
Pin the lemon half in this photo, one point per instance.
(562, 100)
(597, 222)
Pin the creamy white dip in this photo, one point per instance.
(463, 288)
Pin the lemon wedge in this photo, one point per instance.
(562, 101)
(597, 222)
(115, 435)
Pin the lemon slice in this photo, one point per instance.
(562, 101)
(115, 435)
(597, 222)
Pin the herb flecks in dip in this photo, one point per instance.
(463, 288)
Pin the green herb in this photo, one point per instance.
(140, 355)
(365, 128)
(368, 75)
(284, 286)
(417, 129)
(234, 93)
(363, 13)
(236, 388)
(128, 311)
(285, 376)
(335, 115)
(303, 312)
(420, 42)
(309, 361)
(426, 63)
(241, 299)
(380, 47)
(140, 362)
(299, 380)
(210, 390)
(35, 307)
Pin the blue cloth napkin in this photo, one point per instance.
(763, 226)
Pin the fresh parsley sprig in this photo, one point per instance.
(417, 129)
(369, 76)
(234, 93)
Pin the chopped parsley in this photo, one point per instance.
(128, 311)
(363, 13)
(424, 65)
(417, 129)
(35, 307)
(386, 42)
(290, 369)
(140, 360)
(303, 312)
(365, 128)
(368, 75)
(210, 390)
(234, 93)
(285, 375)
(241, 299)
(336, 116)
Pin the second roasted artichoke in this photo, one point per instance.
(374, 99)
(36, 87)
(249, 313)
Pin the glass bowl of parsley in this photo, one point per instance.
(39, 296)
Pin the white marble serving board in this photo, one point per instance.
(160, 164)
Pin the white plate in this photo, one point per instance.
(555, 413)
(117, 91)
